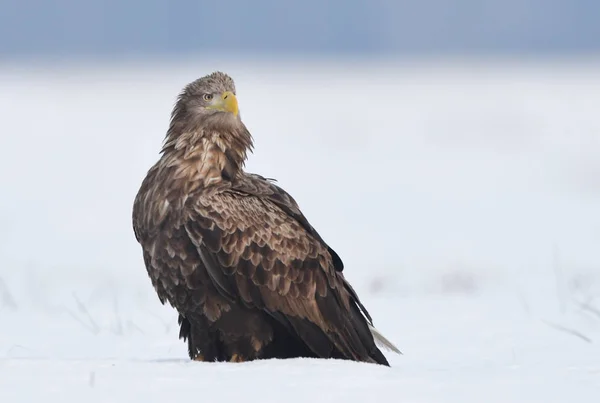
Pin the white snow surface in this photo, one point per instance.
(462, 196)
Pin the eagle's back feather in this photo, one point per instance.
(247, 242)
(258, 254)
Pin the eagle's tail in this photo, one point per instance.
(369, 335)
(382, 342)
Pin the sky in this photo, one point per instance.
(115, 29)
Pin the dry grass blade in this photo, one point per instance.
(569, 331)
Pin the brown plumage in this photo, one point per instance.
(232, 252)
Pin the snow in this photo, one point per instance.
(462, 198)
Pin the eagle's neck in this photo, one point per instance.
(202, 157)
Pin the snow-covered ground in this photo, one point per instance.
(463, 198)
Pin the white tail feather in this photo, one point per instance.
(382, 342)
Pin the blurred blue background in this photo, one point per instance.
(113, 28)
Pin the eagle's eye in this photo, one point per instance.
(207, 97)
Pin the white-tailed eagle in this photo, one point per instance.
(232, 252)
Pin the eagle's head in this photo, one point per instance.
(209, 102)
(206, 126)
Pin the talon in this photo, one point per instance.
(236, 358)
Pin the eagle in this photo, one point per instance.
(232, 252)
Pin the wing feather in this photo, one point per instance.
(258, 185)
(254, 250)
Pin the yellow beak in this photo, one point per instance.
(226, 102)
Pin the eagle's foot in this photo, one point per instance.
(199, 357)
(236, 358)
